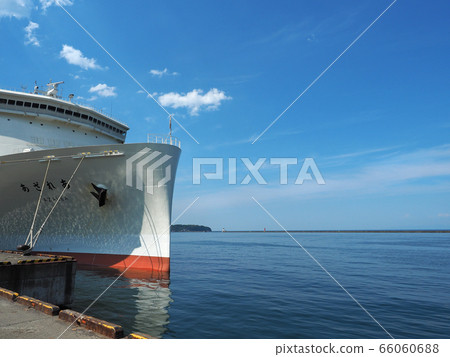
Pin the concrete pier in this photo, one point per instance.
(20, 321)
(26, 317)
(35, 291)
(45, 277)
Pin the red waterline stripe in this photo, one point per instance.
(118, 261)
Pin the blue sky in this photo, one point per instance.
(376, 123)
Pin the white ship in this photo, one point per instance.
(69, 185)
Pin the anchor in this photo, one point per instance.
(100, 194)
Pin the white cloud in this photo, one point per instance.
(22, 8)
(164, 72)
(16, 8)
(311, 38)
(30, 36)
(194, 100)
(361, 153)
(103, 90)
(47, 3)
(150, 120)
(74, 56)
(444, 215)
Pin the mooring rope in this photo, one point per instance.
(29, 240)
(57, 201)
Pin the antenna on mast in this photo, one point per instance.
(52, 88)
(170, 124)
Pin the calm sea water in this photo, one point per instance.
(263, 285)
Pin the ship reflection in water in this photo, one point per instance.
(138, 300)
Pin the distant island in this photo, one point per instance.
(189, 228)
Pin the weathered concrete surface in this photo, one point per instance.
(44, 277)
(15, 258)
(105, 328)
(18, 321)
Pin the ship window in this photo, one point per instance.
(27, 104)
(52, 108)
(43, 106)
(3, 101)
(84, 116)
(90, 118)
(35, 105)
(75, 114)
(95, 121)
(19, 102)
(11, 102)
(60, 110)
(103, 124)
(68, 112)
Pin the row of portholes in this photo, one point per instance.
(61, 111)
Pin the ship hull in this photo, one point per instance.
(132, 228)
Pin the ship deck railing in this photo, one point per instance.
(163, 139)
